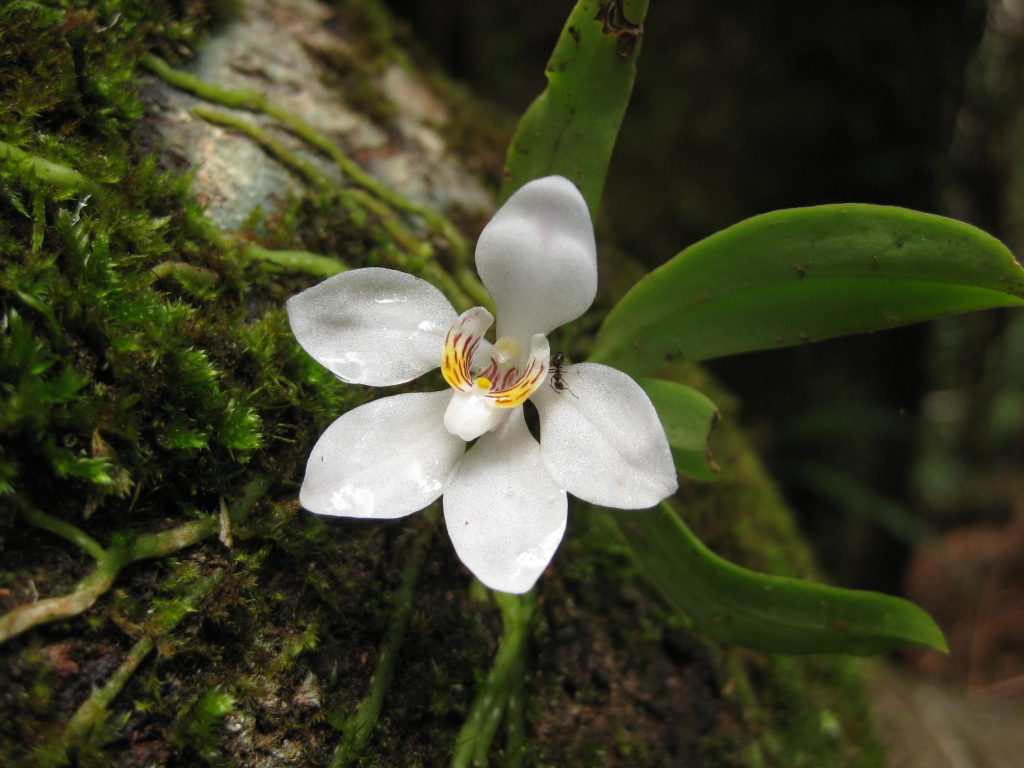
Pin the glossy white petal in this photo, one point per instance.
(372, 326)
(385, 459)
(505, 514)
(602, 441)
(538, 259)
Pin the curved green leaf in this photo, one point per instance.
(688, 418)
(802, 275)
(571, 127)
(768, 613)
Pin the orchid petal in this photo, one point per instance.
(382, 460)
(538, 258)
(602, 441)
(372, 326)
(505, 514)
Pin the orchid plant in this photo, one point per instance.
(616, 430)
(505, 499)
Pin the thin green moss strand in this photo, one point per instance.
(364, 719)
(93, 711)
(25, 617)
(304, 261)
(357, 202)
(275, 148)
(413, 256)
(62, 528)
(300, 261)
(46, 170)
(464, 289)
(255, 101)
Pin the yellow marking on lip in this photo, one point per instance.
(521, 389)
(455, 359)
(461, 344)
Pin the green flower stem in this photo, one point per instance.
(62, 528)
(115, 559)
(515, 718)
(485, 714)
(364, 719)
(45, 170)
(254, 101)
(414, 255)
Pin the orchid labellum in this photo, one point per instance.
(505, 499)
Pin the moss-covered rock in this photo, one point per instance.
(166, 600)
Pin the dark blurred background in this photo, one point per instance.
(902, 452)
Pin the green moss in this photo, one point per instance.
(195, 729)
(136, 390)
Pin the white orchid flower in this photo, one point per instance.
(505, 498)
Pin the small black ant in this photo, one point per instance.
(557, 382)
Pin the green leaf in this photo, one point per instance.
(688, 418)
(571, 128)
(768, 613)
(802, 275)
